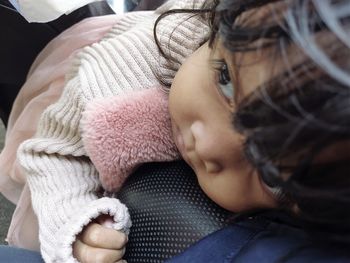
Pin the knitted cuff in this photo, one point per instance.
(67, 234)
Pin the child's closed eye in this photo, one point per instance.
(224, 83)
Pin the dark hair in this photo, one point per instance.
(297, 125)
(207, 13)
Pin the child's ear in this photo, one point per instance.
(122, 132)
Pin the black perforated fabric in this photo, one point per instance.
(169, 211)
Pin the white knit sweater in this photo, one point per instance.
(63, 181)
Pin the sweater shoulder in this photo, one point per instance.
(126, 59)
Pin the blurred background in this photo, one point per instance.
(6, 208)
(117, 5)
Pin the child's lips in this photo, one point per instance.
(179, 141)
(187, 153)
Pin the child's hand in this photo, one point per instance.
(99, 243)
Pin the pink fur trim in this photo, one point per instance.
(122, 132)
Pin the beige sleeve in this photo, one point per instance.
(62, 180)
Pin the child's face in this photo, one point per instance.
(201, 113)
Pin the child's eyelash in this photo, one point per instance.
(218, 64)
(222, 68)
(224, 84)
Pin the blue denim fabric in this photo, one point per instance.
(16, 255)
(251, 241)
(262, 241)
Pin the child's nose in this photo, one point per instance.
(205, 144)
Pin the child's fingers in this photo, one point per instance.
(86, 254)
(98, 236)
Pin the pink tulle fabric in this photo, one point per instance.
(44, 85)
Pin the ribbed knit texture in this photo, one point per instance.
(64, 183)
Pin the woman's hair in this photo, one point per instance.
(297, 124)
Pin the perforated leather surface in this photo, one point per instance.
(169, 211)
